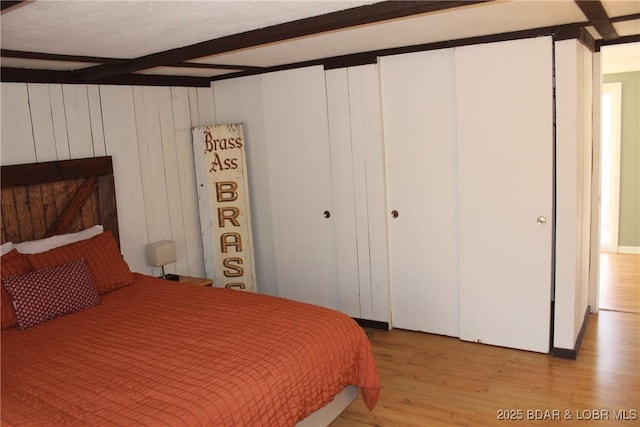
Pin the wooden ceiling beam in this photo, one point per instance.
(597, 16)
(622, 40)
(624, 18)
(25, 75)
(362, 15)
(8, 53)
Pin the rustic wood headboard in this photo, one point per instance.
(43, 199)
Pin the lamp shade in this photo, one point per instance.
(161, 253)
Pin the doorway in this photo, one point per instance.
(619, 254)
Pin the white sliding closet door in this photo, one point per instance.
(299, 169)
(505, 137)
(418, 104)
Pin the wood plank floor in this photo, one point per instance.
(620, 282)
(432, 380)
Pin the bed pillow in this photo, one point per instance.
(5, 248)
(11, 264)
(41, 245)
(46, 294)
(108, 269)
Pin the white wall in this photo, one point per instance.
(147, 130)
(246, 107)
(594, 263)
(297, 170)
(573, 190)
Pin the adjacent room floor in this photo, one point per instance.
(620, 282)
(432, 380)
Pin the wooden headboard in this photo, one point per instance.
(43, 199)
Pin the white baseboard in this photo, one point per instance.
(629, 249)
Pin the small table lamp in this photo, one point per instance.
(161, 253)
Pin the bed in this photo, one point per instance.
(131, 349)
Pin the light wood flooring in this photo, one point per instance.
(620, 282)
(432, 380)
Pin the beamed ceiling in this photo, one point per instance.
(191, 43)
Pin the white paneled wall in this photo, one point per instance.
(573, 189)
(240, 101)
(314, 144)
(358, 188)
(147, 131)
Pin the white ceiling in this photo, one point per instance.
(622, 58)
(477, 20)
(131, 29)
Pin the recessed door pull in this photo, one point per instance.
(541, 220)
(327, 214)
(394, 214)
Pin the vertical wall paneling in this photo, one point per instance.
(193, 106)
(585, 108)
(171, 176)
(199, 98)
(418, 107)
(365, 99)
(194, 111)
(147, 130)
(187, 199)
(312, 139)
(240, 101)
(505, 223)
(361, 136)
(42, 122)
(154, 189)
(17, 133)
(95, 117)
(319, 141)
(344, 203)
(377, 234)
(59, 118)
(76, 109)
(357, 163)
(202, 112)
(297, 143)
(594, 264)
(206, 109)
(121, 139)
(567, 183)
(573, 191)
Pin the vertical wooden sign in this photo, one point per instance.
(223, 198)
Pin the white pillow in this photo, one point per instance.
(42, 245)
(6, 248)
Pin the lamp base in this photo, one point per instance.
(172, 277)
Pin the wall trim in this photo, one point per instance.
(566, 353)
(629, 249)
(373, 324)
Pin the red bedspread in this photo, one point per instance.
(164, 353)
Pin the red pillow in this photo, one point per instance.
(53, 292)
(108, 269)
(12, 263)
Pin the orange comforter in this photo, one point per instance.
(163, 353)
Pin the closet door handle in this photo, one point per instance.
(394, 214)
(326, 214)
